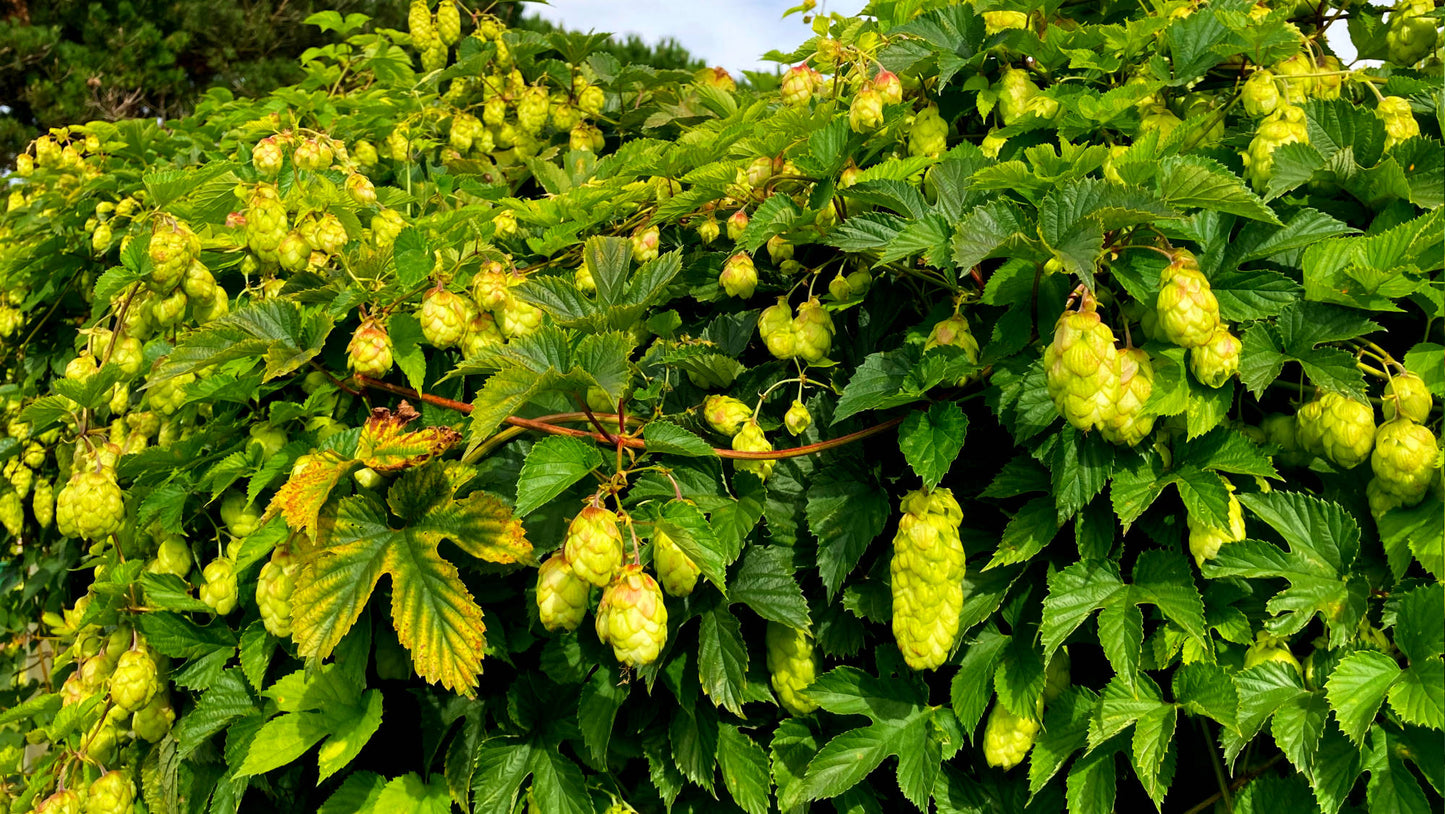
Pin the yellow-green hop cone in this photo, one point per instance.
(866, 111)
(12, 514)
(449, 22)
(1405, 458)
(793, 664)
(91, 504)
(633, 618)
(1286, 126)
(751, 439)
(954, 332)
(1056, 675)
(135, 680)
(532, 110)
(152, 721)
(1007, 738)
(369, 352)
(561, 594)
(61, 802)
(1347, 430)
(929, 134)
(928, 569)
(1018, 96)
(677, 572)
(594, 545)
(1410, 35)
(645, 244)
(797, 419)
(739, 277)
(813, 328)
(1399, 120)
(172, 248)
(1187, 310)
(111, 793)
(219, 591)
(776, 327)
(725, 414)
(1407, 394)
(241, 517)
(1269, 648)
(1206, 540)
(1131, 421)
(798, 85)
(1260, 93)
(1082, 369)
(1216, 361)
(42, 503)
(419, 24)
(1310, 427)
(273, 592)
(444, 317)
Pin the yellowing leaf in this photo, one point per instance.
(301, 497)
(386, 446)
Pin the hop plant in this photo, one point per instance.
(172, 248)
(594, 545)
(1286, 126)
(241, 517)
(1018, 97)
(419, 24)
(928, 569)
(444, 317)
(739, 277)
(798, 85)
(266, 224)
(633, 618)
(219, 591)
(775, 327)
(273, 592)
(312, 155)
(797, 419)
(1082, 368)
(1205, 540)
(1007, 738)
(929, 134)
(42, 503)
(1188, 312)
(1216, 361)
(677, 571)
(1407, 395)
(954, 332)
(813, 328)
(1266, 648)
(1405, 459)
(1260, 93)
(135, 680)
(1310, 427)
(726, 414)
(153, 721)
(737, 224)
(111, 793)
(1347, 430)
(645, 244)
(1399, 120)
(793, 665)
(750, 438)
(12, 513)
(1411, 35)
(449, 22)
(532, 110)
(865, 114)
(267, 156)
(173, 556)
(92, 504)
(369, 352)
(1131, 422)
(561, 595)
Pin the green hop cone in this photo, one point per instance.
(561, 595)
(954, 332)
(793, 665)
(273, 592)
(1007, 738)
(1260, 93)
(172, 248)
(1056, 675)
(797, 419)
(111, 793)
(1407, 394)
(645, 244)
(135, 680)
(1286, 126)
(267, 156)
(61, 802)
(1205, 540)
(928, 569)
(152, 721)
(1016, 95)
(173, 556)
(798, 85)
(1310, 428)
(293, 253)
(241, 517)
(443, 317)
(594, 545)
(866, 111)
(419, 24)
(1405, 458)
(1410, 35)
(92, 504)
(737, 224)
(813, 327)
(12, 514)
(677, 571)
(219, 591)
(1399, 119)
(42, 502)
(1347, 430)
(929, 134)
(532, 110)
(1082, 368)
(449, 22)
(1187, 309)
(266, 223)
(725, 414)
(369, 351)
(519, 318)
(632, 617)
(739, 277)
(1269, 648)
(751, 439)
(1216, 361)
(775, 326)
(1131, 422)
(482, 333)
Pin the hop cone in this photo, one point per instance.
(1347, 430)
(444, 317)
(814, 330)
(135, 680)
(725, 414)
(929, 134)
(1405, 459)
(675, 569)
(92, 504)
(1082, 366)
(751, 439)
(866, 111)
(1136, 381)
(797, 419)
(561, 595)
(793, 663)
(1399, 120)
(1205, 540)
(273, 592)
(419, 23)
(739, 277)
(632, 617)
(153, 721)
(1007, 738)
(1269, 648)
(775, 326)
(219, 590)
(1187, 310)
(1410, 35)
(61, 802)
(1260, 93)
(928, 569)
(449, 22)
(1216, 361)
(1407, 394)
(1310, 427)
(594, 545)
(799, 82)
(1286, 126)
(111, 793)
(369, 351)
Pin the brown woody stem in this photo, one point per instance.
(548, 424)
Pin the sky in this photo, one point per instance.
(730, 33)
(734, 33)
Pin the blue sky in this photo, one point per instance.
(730, 33)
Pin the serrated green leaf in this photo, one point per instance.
(931, 440)
(745, 772)
(553, 465)
(1357, 687)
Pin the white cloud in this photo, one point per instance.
(731, 33)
